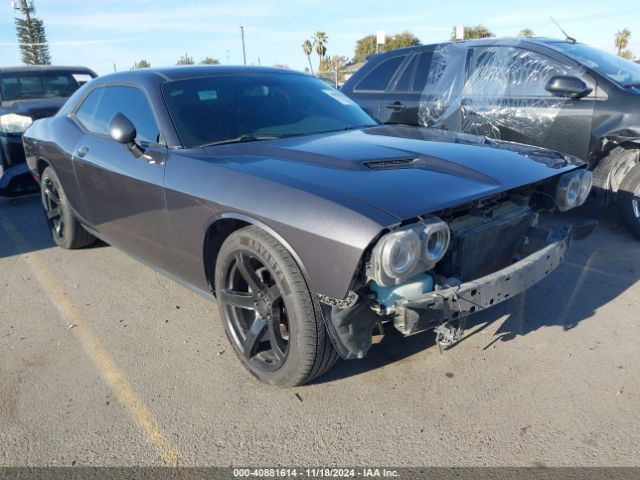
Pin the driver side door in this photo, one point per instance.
(123, 193)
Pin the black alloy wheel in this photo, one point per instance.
(65, 228)
(52, 208)
(273, 321)
(255, 312)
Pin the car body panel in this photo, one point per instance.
(314, 192)
(447, 171)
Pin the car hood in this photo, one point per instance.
(405, 171)
(34, 107)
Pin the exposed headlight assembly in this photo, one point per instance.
(573, 189)
(436, 241)
(409, 250)
(14, 123)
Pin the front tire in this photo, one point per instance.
(63, 224)
(628, 200)
(271, 318)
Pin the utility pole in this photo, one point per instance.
(244, 52)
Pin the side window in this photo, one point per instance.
(404, 82)
(132, 103)
(87, 111)
(422, 71)
(96, 113)
(379, 77)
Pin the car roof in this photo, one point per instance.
(476, 42)
(46, 68)
(191, 71)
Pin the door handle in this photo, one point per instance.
(82, 151)
(396, 106)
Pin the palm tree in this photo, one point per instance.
(622, 40)
(526, 32)
(320, 40)
(308, 50)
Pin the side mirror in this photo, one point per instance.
(567, 86)
(121, 129)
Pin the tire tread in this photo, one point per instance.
(312, 331)
(624, 197)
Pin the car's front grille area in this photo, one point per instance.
(483, 245)
(12, 150)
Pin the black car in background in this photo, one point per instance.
(557, 94)
(27, 94)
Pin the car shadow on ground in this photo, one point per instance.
(23, 227)
(596, 271)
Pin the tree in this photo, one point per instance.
(307, 47)
(526, 32)
(320, 40)
(366, 46)
(401, 40)
(622, 42)
(479, 31)
(141, 64)
(34, 49)
(332, 68)
(209, 61)
(185, 60)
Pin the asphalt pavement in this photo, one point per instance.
(105, 362)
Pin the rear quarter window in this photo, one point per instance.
(422, 70)
(380, 76)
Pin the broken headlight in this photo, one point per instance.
(13, 123)
(573, 189)
(436, 241)
(409, 250)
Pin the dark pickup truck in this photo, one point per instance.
(26, 94)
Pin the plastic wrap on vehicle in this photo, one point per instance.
(496, 91)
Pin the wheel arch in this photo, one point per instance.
(41, 164)
(224, 225)
(612, 165)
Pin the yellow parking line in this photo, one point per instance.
(96, 352)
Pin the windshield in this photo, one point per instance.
(21, 86)
(249, 107)
(623, 72)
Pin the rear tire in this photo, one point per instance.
(628, 200)
(63, 224)
(271, 318)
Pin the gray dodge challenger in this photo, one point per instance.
(308, 222)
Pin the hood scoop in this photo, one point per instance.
(433, 164)
(392, 163)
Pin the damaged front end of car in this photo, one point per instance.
(434, 271)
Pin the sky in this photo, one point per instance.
(101, 33)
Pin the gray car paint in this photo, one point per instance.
(314, 193)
